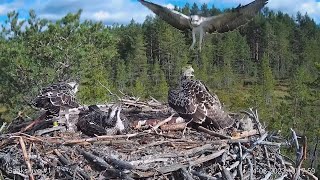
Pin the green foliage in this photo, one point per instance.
(267, 81)
(272, 63)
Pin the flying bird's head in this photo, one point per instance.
(188, 71)
(74, 86)
(195, 20)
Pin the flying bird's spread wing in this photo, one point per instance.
(236, 17)
(195, 103)
(174, 18)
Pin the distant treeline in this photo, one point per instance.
(272, 63)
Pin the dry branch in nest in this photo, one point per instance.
(154, 148)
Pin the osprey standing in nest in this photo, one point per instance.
(57, 99)
(221, 23)
(193, 102)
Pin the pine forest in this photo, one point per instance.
(272, 64)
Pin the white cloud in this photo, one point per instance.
(312, 7)
(2, 9)
(101, 15)
(111, 11)
(170, 6)
(122, 11)
(7, 7)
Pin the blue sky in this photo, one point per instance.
(122, 11)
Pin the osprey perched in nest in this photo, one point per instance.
(97, 122)
(193, 102)
(221, 23)
(57, 99)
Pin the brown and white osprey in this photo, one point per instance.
(57, 99)
(193, 102)
(221, 23)
(97, 122)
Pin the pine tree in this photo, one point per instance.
(159, 85)
(267, 81)
(186, 9)
(194, 9)
(205, 10)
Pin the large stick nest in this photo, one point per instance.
(156, 149)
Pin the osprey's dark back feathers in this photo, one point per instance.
(97, 122)
(58, 95)
(193, 101)
(93, 122)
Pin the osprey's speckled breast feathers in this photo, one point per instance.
(193, 102)
(55, 96)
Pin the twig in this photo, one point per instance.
(251, 168)
(161, 123)
(148, 161)
(314, 153)
(26, 157)
(4, 124)
(267, 156)
(186, 174)
(173, 127)
(300, 153)
(207, 158)
(309, 174)
(253, 114)
(282, 177)
(240, 171)
(202, 176)
(119, 164)
(260, 140)
(267, 176)
(98, 161)
(245, 134)
(100, 138)
(109, 90)
(49, 130)
(212, 133)
(226, 174)
(200, 160)
(234, 165)
(64, 160)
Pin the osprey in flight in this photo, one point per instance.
(193, 102)
(221, 23)
(57, 99)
